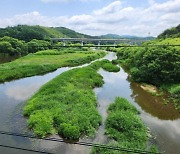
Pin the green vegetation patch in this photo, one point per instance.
(158, 65)
(55, 52)
(124, 127)
(34, 64)
(106, 65)
(173, 32)
(12, 46)
(62, 50)
(174, 91)
(67, 104)
(110, 67)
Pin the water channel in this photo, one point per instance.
(163, 120)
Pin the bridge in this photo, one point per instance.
(98, 40)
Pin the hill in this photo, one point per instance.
(173, 32)
(27, 33)
(110, 36)
(131, 37)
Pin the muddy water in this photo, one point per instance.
(163, 120)
(13, 96)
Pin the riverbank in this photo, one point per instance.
(36, 64)
(157, 66)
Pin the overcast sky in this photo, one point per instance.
(94, 17)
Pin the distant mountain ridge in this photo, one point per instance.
(132, 37)
(110, 36)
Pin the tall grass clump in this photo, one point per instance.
(124, 127)
(106, 65)
(110, 67)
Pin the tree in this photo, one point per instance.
(18, 47)
(5, 47)
(37, 45)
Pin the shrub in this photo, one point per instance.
(38, 45)
(12, 46)
(154, 65)
(124, 105)
(69, 132)
(110, 67)
(6, 47)
(41, 122)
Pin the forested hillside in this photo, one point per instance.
(24, 39)
(170, 33)
(27, 33)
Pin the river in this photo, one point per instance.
(163, 120)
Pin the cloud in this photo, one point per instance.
(112, 8)
(113, 18)
(22, 92)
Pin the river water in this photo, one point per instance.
(163, 120)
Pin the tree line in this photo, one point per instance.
(12, 46)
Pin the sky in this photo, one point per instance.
(94, 17)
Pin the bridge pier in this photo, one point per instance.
(82, 43)
(99, 43)
(64, 43)
(115, 44)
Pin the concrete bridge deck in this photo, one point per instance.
(97, 40)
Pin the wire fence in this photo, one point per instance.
(103, 146)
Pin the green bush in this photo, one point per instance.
(12, 46)
(124, 105)
(38, 45)
(41, 122)
(110, 67)
(6, 47)
(69, 132)
(154, 65)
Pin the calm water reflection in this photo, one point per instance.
(13, 96)
(163, 120)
